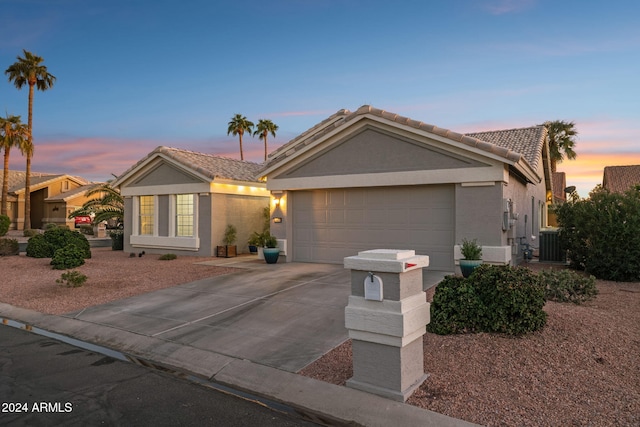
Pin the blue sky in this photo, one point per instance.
(135, 74)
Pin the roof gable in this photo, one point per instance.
(207, 167)
(16, 180)
(374, 150)
(522, 149)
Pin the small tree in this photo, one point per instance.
(602, 234)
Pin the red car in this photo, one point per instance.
(82, 220)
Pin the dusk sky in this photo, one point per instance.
(135, 74)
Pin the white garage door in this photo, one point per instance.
(329, 225)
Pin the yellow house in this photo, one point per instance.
(53, 198)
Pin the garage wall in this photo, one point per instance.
(331, 224)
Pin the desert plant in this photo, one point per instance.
(9, 247)
(602, 234)
(38, 247)
(455, 308)
(29, 232)
(512, 299)
(5, 222)
(86, 229)
(567, 286)
(70, 256)
(72, 279)
(45, 245)
(255, 239)
(167, 257)
(471, 250)
(230, 234)
(499, 299)
(270, 241)
(117, 240)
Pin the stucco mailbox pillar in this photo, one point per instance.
(386, 317)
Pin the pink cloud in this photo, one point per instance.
(98, 159)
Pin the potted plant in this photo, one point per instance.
(254, 242)
(271, 250)
(229, 249)
(472, 256)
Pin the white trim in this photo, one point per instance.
(482, 175)
(172, 214)
(202, 187)
(184, 243)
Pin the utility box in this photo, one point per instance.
(550, 248)
(386, 317)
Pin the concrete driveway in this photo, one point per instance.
(282, 315)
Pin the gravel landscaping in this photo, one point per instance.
(582, 369)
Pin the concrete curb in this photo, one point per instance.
(315, 400)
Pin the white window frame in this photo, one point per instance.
(164, 242)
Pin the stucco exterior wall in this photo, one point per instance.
(244, 212)
(478, 211)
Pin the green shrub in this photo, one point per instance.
(86, 229)
(602, 234)
(455, 308)
(471, 250)
(499, 299)
(167, 257)
(117, 240)
(72, 279)
(38, 247)
(50, 226)
(29, 232)
(512, 299)
(567, 286)
(70, 256)
(5, 222)
(45, 245)
(9, 247)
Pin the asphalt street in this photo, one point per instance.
(45, 382)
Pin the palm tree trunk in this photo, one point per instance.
(241, 153)
(27, 195)
(265, 146)
(27, 180)
(5, 181)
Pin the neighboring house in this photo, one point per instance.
(618, 179)
(559, 195)
(371, 179)
(53, 198)
(181, 201)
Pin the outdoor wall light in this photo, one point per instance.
(277, 220)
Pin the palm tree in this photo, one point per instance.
(29, 71)
(264, 128)
(562, 140)
(108, 204)
(13, 133)
(238, 126)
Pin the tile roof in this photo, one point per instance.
(67, 195)
(209, 165)
(16, 179)
(526, 141)
(619, 179)
(513, 144)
